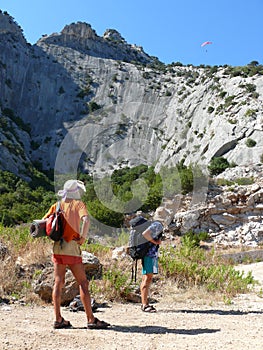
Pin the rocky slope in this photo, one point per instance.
(77, 99)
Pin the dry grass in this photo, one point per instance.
(8, 276)
(198, 295)
(20, 264)
(38, 251)
(27, 258)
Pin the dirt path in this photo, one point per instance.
(177, 325)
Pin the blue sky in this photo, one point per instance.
(171, 30)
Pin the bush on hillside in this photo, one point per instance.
(218, 165)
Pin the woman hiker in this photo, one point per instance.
(68, 254)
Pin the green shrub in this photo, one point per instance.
(105, 215)
(146, 75)
(190, 266)
(218, 165)
(84, 92)
(255, 95)
(93, 106)
(250, 142)
(17, 236)
(224, 182)
(222, 94)
(229, 101)
(210, 109)
(96, 248)
(250, 113)
(179, 179)
(8, 112)
(243, 181)
(21, 202)
(116, 283)
(61, 90)
(232, 121)
(192, 239)
(34, 145)
(123, 194)
(250, 88)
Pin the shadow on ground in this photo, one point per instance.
(161, 330)
(213, 312)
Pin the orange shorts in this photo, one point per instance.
(66, 259)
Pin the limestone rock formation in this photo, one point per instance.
(232, 214)
(82, 38)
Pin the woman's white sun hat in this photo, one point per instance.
(73, 189)
(163, 215)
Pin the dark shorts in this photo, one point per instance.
(149, 265)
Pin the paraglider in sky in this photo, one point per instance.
(206, 43)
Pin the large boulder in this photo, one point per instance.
(44, 284)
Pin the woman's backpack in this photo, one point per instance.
(55, 224)
(138, 245)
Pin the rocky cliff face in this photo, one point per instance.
(77, 99)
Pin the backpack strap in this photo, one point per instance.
(135, 275)
(134, 270)
(57, 210)
(58, 206)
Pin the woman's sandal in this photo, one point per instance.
(148, 308)
(97, 324)
(62, 324)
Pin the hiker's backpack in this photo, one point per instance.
(138, 245)
(55, 225)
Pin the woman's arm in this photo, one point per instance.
(84, 229)
(148, 235)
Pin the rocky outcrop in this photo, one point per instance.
(10, 28)
(44, 285)
(82, 38)
(232, 215)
